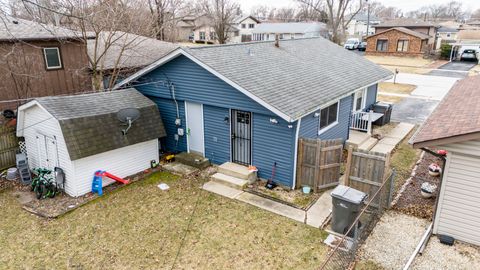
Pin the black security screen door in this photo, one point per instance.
(241, 137)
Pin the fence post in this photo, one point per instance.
(317, 165)
(346, 176)
(299, 163)
(392, 181)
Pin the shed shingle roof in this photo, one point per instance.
(89, 122)
(18, 29)
(458, 114)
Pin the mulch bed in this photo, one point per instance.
(63, 203)
(294, 198)
(411, 201)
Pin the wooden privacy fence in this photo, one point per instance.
(8, 147)
(318, 163)
(366, 171)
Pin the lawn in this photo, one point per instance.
(396, 88)
(400, 61)
(140, 226)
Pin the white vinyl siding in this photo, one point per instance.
(121, 162)
(458, 213)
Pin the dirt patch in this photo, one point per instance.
(294, 198)
(396, 88)
(389, 99)
(411, 201)
(379, 132)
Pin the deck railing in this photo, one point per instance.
(361, 121)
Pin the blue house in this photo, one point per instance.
(249, 103)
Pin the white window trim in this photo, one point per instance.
(323, 130)
(364, 99)
(59, 58)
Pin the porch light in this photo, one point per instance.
(273, 121)
(290, 126)
(317, 114)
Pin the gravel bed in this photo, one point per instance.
(411, 201)
(440, 256)
(393, 240)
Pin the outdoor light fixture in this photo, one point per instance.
(273, 121)
(290, 126)
(317, 114)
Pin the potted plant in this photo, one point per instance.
(434, 169)
(427, 189)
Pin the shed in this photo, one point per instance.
(82, 134)
(455, 127)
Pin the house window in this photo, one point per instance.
(251, 25)
(212, 36)
(280, 36)
(382, 45)
(244, 26)
(402, 45)
(202, 35)
(52, 58)
(359, 100)
(328, 116)
(448, 34)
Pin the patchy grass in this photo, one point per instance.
(389, 99)
(396, 88)
(400, 61)
(403, 160)
(368, 265)
(405, 69)
(140, 226)
(381, 131)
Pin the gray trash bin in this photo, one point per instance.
(384, 108)
(347, 203)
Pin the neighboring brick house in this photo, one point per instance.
(40, 60)
(419, 26)
(398, 41)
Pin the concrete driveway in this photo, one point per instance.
(456, 69)
(423, 100)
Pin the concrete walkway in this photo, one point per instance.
(393, 138)
(431, 87)
(315, 216)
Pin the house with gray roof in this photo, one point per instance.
(249, 103)
(357, 27)
(81, 134)
(293, 30)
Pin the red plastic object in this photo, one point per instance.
(116, 178)
(442, 152)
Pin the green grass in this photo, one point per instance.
(140, 226)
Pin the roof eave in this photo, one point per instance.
(446, 140)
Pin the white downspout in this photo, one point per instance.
(297, 132)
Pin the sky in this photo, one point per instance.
(405, 5)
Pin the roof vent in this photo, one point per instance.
(128, 116)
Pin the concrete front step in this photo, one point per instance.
(229, 181)
(368, 144)
(237, 171)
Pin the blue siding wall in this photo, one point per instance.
(371, 95)
(217, 134)
(274, 143)
(310, 124)
(194, 83)
(168, 112)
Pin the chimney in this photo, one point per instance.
(277, 44)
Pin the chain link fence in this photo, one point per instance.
(345, 247)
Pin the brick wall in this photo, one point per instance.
(416, 47)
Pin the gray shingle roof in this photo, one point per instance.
(404, 30)
(405, 22)
(18, 29)
(296, 78)
(89, 122)
(289, 27)
(134, 51)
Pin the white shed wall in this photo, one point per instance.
(121, 162)
(39, 121)
(458, 213)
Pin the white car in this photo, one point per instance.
(351, 44)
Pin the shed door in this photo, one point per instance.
(47, 152)
(241, 130)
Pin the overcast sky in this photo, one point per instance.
(405, 5)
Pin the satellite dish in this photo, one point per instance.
(128, 116)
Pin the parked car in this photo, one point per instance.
(468, 55)
(351, 43)
(362, 46)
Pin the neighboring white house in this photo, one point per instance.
(245, 25)
(268, 31)
(82, 134)
(357, 27)
(455, 127)
(446, 35)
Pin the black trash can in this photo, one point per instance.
(346, 204)
(384, 108)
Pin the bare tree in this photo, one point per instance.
(165, 15)
(260, 12)
(476, 14)
(337, 11)
(454, 10)
(223, 14)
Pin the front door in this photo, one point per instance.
(194, 130)
(241, 129)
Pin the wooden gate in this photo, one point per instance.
(366, 171)
(318, 163)
(8, 147)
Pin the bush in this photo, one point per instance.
(445, 50)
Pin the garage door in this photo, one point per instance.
(458, 214)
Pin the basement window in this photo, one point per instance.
(52, 58)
